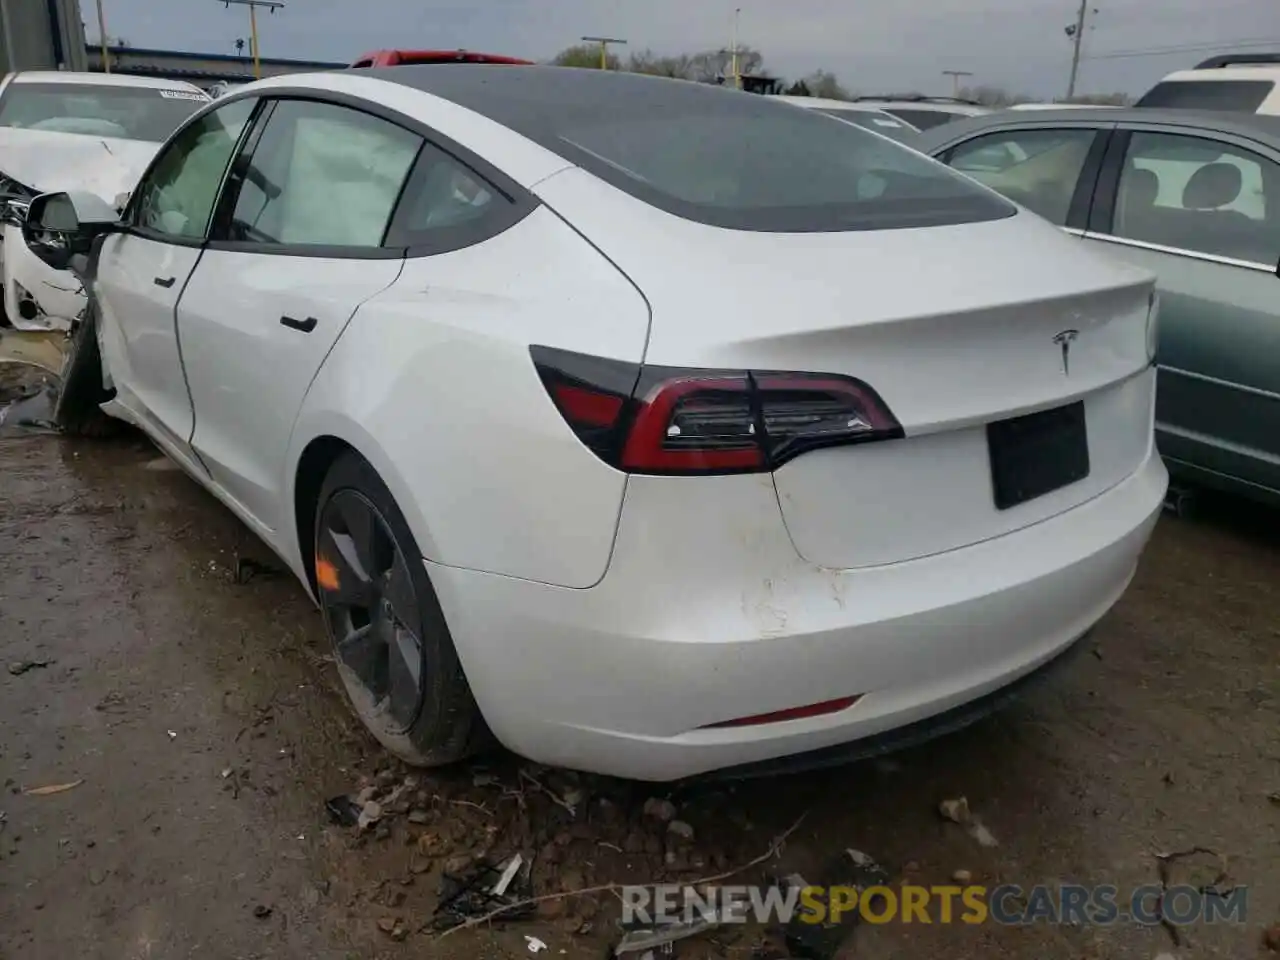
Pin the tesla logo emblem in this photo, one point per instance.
(1065, 339)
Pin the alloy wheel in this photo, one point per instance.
(370, 606)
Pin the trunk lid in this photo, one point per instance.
(956, 327)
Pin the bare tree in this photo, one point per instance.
(710, 64)
(1104, 99)
(823, 83)
(646, 61)
(584, 55)
(990, 96)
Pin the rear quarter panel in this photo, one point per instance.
(433, 383)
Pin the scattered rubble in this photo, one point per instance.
(680, 829)
(663, 810)
(52, 789)
(957, 811)
(1271, 938)
(475, 894)
(26, 666)
(822, 941)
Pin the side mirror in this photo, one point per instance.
(59, 226)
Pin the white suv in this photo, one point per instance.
(1241, 82)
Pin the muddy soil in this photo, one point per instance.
(200, 726)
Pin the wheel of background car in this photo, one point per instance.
(393, 648)
(77, 412)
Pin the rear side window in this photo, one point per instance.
(1037, 168)
(1239, 95)
(745, 163)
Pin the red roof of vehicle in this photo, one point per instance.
(391, 58)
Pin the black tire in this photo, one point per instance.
(447, 726)
(78, 412)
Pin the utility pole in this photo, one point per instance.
(737, 75)
(253, 5)
(106, 42)
(604, 48)
(1076, 32)
(955, 76)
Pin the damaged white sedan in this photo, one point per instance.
(73, 131)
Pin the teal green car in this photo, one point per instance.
(1195, 198)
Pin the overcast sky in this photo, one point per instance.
(872, 47)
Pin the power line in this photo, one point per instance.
(1225, 46)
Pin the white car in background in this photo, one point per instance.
(924, 112)
(1236, 82)
(73, 131)
(1055, 106)
(656, 427)
(859, 114)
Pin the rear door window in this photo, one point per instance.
(1036, 168)
(1244, 96)
(1201, 195)
(323, 175)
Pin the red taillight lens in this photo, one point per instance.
(697, 424)
(663, 420)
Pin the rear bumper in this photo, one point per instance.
(707, 614)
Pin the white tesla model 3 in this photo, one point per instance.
(656, 428)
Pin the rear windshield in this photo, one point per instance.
(127, 113)
(742, 162)
(1244, 96)
(924, 119)
(882, 123)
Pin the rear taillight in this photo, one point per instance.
(666, 420)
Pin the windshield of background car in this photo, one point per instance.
(742, 162)
(881, 123)
(126, 113)
(1238, 95)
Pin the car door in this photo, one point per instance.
(1202, 211)
(296, 248)
(143, 270)
(1049, 170)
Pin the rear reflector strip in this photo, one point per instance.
(795, 713)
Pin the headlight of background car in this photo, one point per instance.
(1153, 326)
(15, 199)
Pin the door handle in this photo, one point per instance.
(306, 326)
(166, 281)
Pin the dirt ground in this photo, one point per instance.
(201, 727)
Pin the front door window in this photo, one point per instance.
(177, 198)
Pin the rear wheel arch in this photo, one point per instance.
(313, 466)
